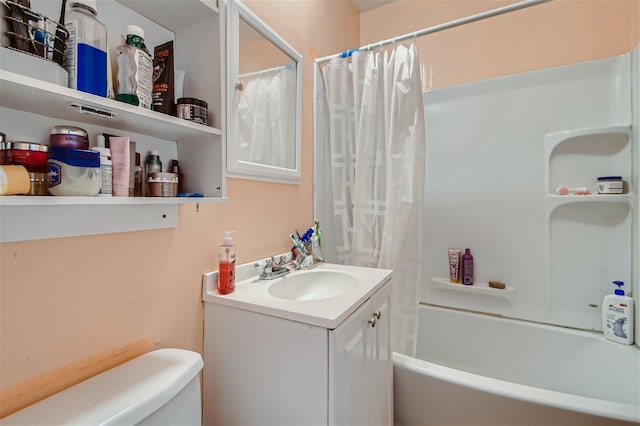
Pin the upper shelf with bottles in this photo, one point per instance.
(21, 92)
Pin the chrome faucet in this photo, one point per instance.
(272, 270)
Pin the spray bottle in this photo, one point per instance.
(227, 263)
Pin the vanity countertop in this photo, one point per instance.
(329, 311)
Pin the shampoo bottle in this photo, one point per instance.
(467, 267)
(617, 316)
(227, 263)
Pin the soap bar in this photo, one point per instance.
(497, 284)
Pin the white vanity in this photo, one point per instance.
(312, 347)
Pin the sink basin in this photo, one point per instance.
(313, 285)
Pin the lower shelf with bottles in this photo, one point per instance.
(477, 287)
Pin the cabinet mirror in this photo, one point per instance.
(264, 77)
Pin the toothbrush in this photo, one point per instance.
(298, 245)
(563, 190)
(317, 223)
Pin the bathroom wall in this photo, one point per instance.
(551, 34)
(63, 301)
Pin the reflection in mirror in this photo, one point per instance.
(266, 101)
(263, 95)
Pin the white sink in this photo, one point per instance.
(323, 296)
(313, 285)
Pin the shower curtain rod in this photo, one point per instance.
(440, 27)
(256, 73)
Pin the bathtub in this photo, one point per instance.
(475, 369)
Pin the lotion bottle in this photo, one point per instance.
(617, 316)
(227, 265)
(467, 267)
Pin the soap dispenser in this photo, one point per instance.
(617, 316)
(227, 263)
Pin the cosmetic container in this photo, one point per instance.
(32, 156)
(70, 137)
(106, 172)
(73, 172)
(192, 109)
(14, 180)
(610, 185)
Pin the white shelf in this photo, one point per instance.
(552, 140)
(19, 200)
(174, 15)
(477, 287)
(554, 201)
(199, 148)
(29, 94)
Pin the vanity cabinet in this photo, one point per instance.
(361, 366)
(30, 107)
(261, 369)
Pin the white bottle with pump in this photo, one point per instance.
(617, 316)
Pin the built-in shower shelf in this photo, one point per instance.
(478, 287)
(604, 134)
(554, 201)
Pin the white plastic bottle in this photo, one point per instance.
(617, 316)
(86, 52)
(135, 68)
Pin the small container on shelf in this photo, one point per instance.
(73, 172)
(69, 136)
(162, 184)
(610, 185)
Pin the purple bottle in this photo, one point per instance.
(467, 267)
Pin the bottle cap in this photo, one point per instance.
(135, 30)
(91, 4)
(228, 239)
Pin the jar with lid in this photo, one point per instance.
(69, 136)
(192, 109)
(73, 172)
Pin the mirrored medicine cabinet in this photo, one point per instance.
(264, 82)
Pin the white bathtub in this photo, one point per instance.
(475, 369)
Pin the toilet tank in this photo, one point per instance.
(161, 387)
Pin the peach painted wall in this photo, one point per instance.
(557, 33)
(64, 300)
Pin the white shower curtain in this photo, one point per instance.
(369, 185)
(265, 107)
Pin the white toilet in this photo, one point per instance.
(158, 388)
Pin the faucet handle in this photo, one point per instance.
(266, 266)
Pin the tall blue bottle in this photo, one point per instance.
(86, 52)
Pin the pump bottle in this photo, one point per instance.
(617, 316)
(227, 265)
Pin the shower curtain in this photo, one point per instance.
(369, 176)
(266, 105)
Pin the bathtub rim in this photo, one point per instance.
(576, 403)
